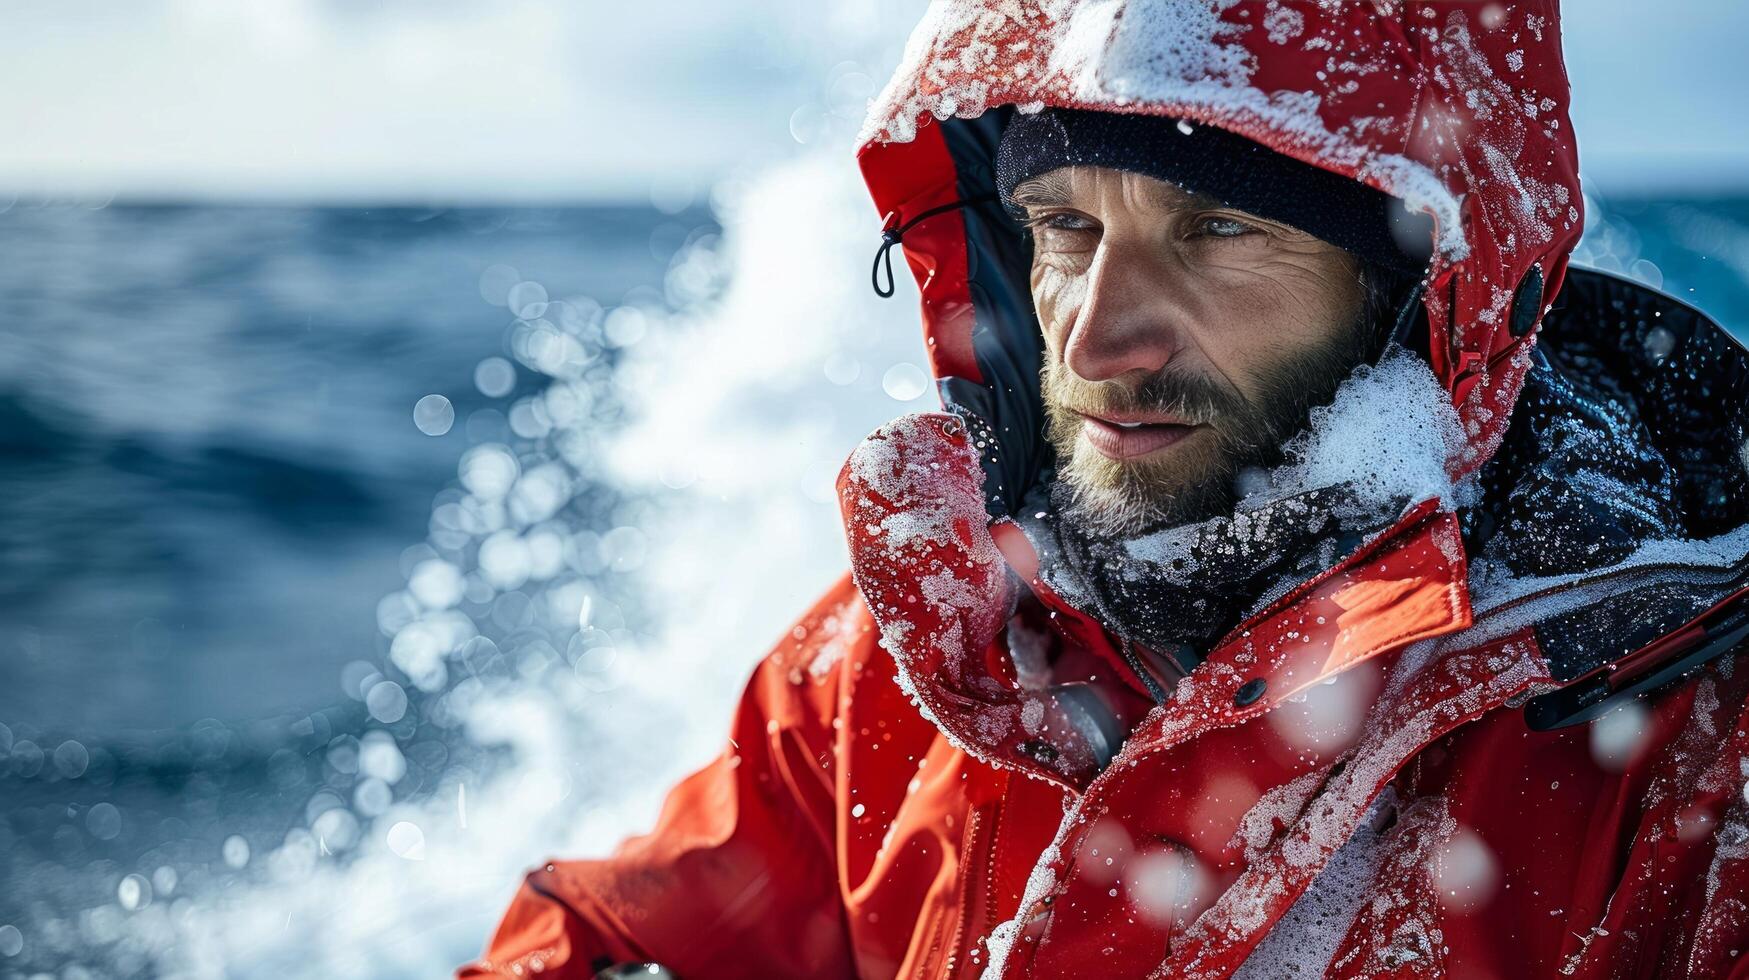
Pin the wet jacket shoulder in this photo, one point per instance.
(737, 878)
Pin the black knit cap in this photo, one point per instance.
(1236, 171)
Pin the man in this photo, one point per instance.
(1309, 576)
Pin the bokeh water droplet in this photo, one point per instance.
(103, 821)
(488, 471)
(807, 123)
(379, 757)
(71, 759)
(372, 798)
(235, 851)
(1618, 736)
(164, 880)
(434, 415)
(527, 299)
(407, 841)
(387, 702)
(494, 377)
(904, 382)
(134, 892)
(841, 368)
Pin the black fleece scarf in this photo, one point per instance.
(1177, 590)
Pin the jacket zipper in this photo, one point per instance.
(1623, 578)
(975, 848)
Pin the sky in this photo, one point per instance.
(589, 100)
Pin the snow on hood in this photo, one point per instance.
(1145, 54)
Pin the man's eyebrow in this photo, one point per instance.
(1165, 196)
(1046, 190)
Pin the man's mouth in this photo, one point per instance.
(1130, 436)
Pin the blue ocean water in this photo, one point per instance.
(207, 450)
(211, 477)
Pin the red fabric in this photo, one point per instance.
(846, 837)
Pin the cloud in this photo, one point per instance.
(553, 99)
(513, 99)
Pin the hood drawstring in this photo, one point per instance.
(894, 233)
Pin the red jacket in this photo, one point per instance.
(1391, 771)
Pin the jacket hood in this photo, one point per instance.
(1612, 543)
(1458, 109)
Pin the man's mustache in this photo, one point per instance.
(1195, 399)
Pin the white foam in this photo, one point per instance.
(1389, 433)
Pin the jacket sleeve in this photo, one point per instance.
(738, 878)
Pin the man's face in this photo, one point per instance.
(1183, 340)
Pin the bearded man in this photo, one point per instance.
(1309, 575)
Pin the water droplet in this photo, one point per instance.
(380, 758)
(807, 123)
(494, 377)
(1659, 343)
(164, 880)
(1618, 736)
(841, 368)
(235, 851)
(387, 702)
(104, 821)
(134, 892)
(407, 841)
(904, 382)
(372, 798)
(527, 299)
(488, 471)
(71, 759)
(625, 326)
(434, 415)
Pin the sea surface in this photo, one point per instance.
(218, 504)
(215, 465)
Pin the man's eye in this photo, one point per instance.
(1059, 222)
(1225, 227)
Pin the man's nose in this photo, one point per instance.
(1129, 321)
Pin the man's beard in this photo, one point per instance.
(1193, 480)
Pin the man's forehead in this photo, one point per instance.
(1065, 185)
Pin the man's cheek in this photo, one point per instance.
(1058, 296)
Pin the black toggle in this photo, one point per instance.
(1527, 303)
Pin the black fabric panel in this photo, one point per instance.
(1685, 376)
(1005, 338)
(1631, 427)
(1583, 641)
